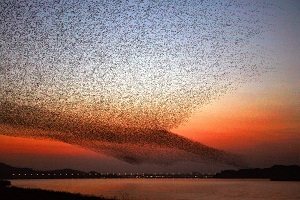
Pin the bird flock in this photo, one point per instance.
(116, 76)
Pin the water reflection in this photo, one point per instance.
(172, 189)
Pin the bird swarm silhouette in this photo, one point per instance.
(116, 76)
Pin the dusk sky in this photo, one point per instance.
(150, 86)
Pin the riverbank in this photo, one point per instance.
(23, 194)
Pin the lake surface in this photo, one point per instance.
(171, 189)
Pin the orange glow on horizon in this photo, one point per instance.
(243, 120)
(29, 146)
(237, 122)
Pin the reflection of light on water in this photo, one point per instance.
(158, 189)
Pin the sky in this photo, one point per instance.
(150, 86)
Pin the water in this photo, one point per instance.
(171, 189)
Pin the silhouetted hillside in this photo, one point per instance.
(5, 169)
(9, 172)
(277, 172)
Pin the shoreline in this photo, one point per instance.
(16, 193)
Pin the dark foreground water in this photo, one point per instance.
(171, 189)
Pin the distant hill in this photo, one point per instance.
(9, 172)
(274, 173)
(7, 169)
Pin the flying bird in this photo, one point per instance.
(117, 76)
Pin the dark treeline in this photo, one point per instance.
(9, 172)
(275, 173)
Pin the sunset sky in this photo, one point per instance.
(73, 87)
